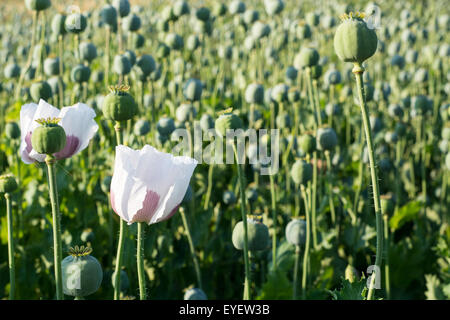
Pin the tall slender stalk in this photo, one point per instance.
(297, 259)
(308, 236)
(358, 70)
(247, 295)
(192, 248)
(56, 217)
(386, 250)
(11, 261)
(274, 218)
(122, 230)
(140, 260)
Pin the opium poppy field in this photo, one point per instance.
(224, 150)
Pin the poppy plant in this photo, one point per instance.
(78, 123)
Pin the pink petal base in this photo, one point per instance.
(72, 144)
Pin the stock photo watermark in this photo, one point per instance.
(261, 147)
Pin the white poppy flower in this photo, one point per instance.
(78, 123)
(149, 185)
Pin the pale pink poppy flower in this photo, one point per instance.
(78, 123)
(148, 185)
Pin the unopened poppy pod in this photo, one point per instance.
(149, 185)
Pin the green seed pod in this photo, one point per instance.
(97, 76)
(75, 23)
(307, 143)
(227, 121)
(122, 7)
(12, 130)
(119, 105)
(283, 120)
(51, 66)
(296, 232)
(80, 73)
(58, 25)
(180, 8)
(124, 281)
(316, 71)
(257, 232)
(307, 57)
(219, 9)
(229, 198)
(37, 5)
(250, 16)
(254, 93)
(354, 41)
(203, 13)
(12, 70)
(251, 194)
(138, 40)
(195, 294)
(326, 139)
(121, 65)
(185, 111)
(165, 126)
(351, 274)
(87, 235)
(162, 51)
(303, 31)
(82, 273)
(293, 95)
(131, 56)
(146, 65)
(301, 172)
(236, 7)
(192, 42)
(141, 127)
(88, 51)
(291, 73)
(174, 41)
(8, 183)
(40, 90)
(192, 89)
(206, 122)
(131, 23)
(108, 15)
(49, 138)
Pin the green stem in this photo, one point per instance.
(308, 236)
(192, 248)
(330, 188)
(120, 245)
(274, 218)
(386, 266)
(313, 204)
(297, 259)
(12, 265)
(247, 295)
(57, 250)
(140, 260)
(209, 190)
(358, 71)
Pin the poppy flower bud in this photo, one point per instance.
(165, 126)
(301, 172)
(37, 5)
(228, 121)
(326, 139)
(307, 143)
(122, 7)
(195, 294)
(354, 41)
(12, 130)
(49, 138)
(51, 66)
(8, 183)
(119, 105)
(141, 127)
(192, 89)
(307, 57)
(257, 234)
(40, 90)
(387, 204)
(351, 274)
(82, 273)
(75, 23)
(296, 232)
